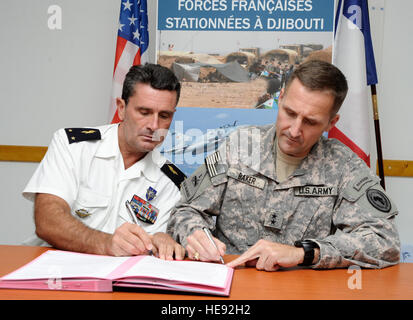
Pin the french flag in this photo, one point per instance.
(353, 55)
(131, 47)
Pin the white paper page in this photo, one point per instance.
(64, 264)
(204, 273)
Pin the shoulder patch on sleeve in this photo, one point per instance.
(82, 134)
(379, 200)
(214, 165)
(359, 186)
(173, 173)
(196, 183)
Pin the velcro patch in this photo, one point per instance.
(214, 165)
(274, 220)
(190, 186)
(378, 200)
(315, 191)
(245, 178)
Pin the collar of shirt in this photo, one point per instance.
(148, 166)
(310, 171)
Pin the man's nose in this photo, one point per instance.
(154, 123)
(295, 128)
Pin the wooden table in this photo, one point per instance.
(248, 284)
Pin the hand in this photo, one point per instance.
(270, 256)
(129, 239)
(198, 242)
(165, 247)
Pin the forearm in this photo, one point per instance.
(55, 224)
(368, 248)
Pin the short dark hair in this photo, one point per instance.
(317, 75)
(157, 76)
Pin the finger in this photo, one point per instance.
(248, 255)
(155, 251)
(212, 252)
(261, 263)
(194, 241)
(179, 252)
(143, 236)
(169, 251)
(128, 246)
(222, 248)
(270, 264)
(191, 252)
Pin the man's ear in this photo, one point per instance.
(281, 96)
(121, 106)
(333, 122)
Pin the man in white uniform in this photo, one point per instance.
(81, 187)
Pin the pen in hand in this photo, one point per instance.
(132, 214)
(208, 233)
(135, 220)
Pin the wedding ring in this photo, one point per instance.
(196, 256)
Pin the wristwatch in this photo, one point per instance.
(308, 247)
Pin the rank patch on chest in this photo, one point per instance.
(143, 210)
(274, 220)
(315, 191)
(245, 178)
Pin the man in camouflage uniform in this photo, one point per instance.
(307, 201)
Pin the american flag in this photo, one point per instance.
(353, 55)
(131, 46)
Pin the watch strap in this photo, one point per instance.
(308, 247)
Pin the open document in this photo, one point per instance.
(64, 270)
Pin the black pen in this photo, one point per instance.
(209, 235)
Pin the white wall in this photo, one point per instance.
(61, 78)
(50, 79)
(394, 97)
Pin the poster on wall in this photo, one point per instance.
(232, 58)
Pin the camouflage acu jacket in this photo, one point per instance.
(332, 198)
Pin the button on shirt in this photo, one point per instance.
(90, 176)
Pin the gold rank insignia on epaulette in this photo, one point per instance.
(173, 173)
(82, 134)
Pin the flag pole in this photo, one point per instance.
(376, 121)
(378, 136)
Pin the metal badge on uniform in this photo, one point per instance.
(245, 178)
(82, 213)
(315, 191)
(143, 210)
(150, 194)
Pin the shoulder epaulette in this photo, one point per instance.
(173, 173)
(82, 134)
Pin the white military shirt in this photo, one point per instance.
(90, 176)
